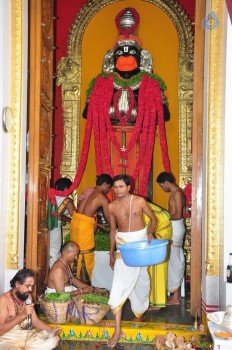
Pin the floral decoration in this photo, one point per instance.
(188, 199)
(150, 116)
(134, 80)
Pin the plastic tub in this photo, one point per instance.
(143, 253)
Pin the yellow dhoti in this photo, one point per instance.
(158, 273)
(82, 233)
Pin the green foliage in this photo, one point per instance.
(58, 297)
(102, 241)
(94, 299)
(67, 238)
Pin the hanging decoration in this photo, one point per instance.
(150, 113)
(117, 91)
(188, 199)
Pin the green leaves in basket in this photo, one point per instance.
(94, 299)
(58, 297)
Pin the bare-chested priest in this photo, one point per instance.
(60, 277)
(18, 316)
(127, 225)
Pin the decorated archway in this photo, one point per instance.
(71, 72)
(70, 77)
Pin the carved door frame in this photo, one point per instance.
(40, 137)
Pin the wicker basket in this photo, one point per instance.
(57, 312)
(90, 313)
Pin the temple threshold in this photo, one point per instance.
(141, 332)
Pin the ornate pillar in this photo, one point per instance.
(16, 207)
(213, 153)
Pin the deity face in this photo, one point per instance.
(127, 61)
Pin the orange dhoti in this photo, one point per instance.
(82, 233)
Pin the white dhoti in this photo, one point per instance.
(130, 282)
(18, 339)
(66, 289)
(55, 235)
(176, 265)
(55, 242)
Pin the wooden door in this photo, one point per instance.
(40, 136)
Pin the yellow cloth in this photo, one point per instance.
(82, 233)
(158, 273)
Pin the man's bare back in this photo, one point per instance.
(96, 198)
(89, 206)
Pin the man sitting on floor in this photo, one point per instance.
(61, 278)
(17, 315)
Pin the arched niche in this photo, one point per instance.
(70, 78)
(70, 73)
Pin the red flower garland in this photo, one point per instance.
(83, 159)
(188, 199)
(149, 108)
(144, 129)
(101, 98)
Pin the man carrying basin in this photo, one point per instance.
(127, 225)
